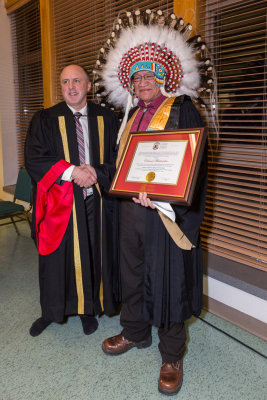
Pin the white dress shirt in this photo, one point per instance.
(84, 123)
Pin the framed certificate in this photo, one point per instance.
(164, 164)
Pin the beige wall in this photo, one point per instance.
(8, 150)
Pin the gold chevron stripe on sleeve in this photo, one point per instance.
(77, 255)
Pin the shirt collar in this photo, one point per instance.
(154, 104)
(83, 110)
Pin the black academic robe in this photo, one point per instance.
(173, 277)
(60, 293)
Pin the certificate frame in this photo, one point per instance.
(184, 146)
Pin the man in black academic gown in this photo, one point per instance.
(77, 277)
(160, 261)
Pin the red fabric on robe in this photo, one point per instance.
(53, 208)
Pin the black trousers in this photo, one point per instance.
(132, 250)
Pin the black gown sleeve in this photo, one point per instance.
(189, 218)
(40, 152)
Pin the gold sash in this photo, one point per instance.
(158, 122)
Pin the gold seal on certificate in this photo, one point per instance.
(150, 176)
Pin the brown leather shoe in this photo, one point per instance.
(171, 378)
(119, 344)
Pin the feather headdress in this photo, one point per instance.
(151, 40)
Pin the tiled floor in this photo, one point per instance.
(64, 364)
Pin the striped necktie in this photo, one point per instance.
(80, 141)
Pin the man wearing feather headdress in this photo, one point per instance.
(151, 65)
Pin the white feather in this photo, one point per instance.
(129, 38)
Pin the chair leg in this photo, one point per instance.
(15, 226)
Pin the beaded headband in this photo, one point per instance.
(154, 67)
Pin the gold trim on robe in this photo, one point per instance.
(77, 255)
(158, 122)
(100, 123)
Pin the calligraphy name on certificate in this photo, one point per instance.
(157, 162)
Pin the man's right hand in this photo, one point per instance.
(83, 176)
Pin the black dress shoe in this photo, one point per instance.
(89, 324)
(39, 326)
(118, 344)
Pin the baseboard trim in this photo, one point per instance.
(236, 317)
(9, 189)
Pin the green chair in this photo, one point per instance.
(9, 209)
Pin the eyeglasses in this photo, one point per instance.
(147, 77)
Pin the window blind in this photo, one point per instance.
(82, 27)
(26, 42)
(235, 224)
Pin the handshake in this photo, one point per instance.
(84, 175)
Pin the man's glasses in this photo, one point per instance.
(147, 77)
